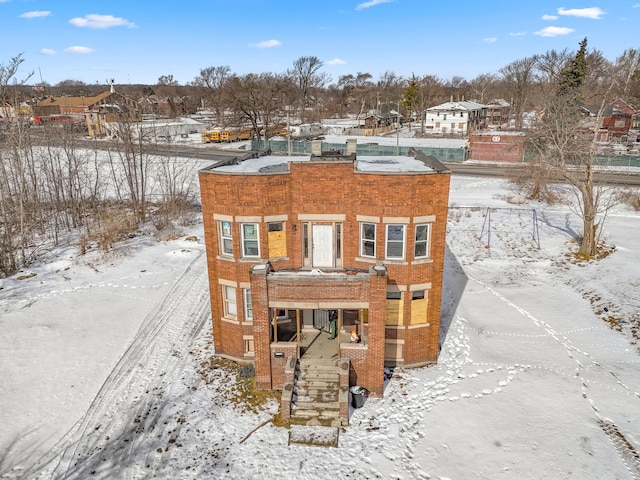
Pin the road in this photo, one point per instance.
(614, 178)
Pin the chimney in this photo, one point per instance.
(316, 148)
(351, 145)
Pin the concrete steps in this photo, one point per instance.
(315, 393)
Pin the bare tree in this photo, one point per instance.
(257, 98)
(306, 76)
(133, 162)
(482, 85)
(565, 144)
(627, 68)
(518, 77)
(389, 87)
(214, 80)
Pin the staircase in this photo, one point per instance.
(316, 392)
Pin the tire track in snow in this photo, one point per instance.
(172, 325)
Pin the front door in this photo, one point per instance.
(322, 246)
(321, 320)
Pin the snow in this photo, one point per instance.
(388, 164)
(102, 360)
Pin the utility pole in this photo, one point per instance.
(288, 134)
(398, 130)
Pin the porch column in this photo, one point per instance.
(374, 376)
(261, 325)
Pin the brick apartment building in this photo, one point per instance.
(294, 242)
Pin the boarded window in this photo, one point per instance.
(277, 240)
(395, 309)
(419, 303)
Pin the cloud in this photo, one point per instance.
(78, 49)
(35, 14)
(336, 61)
(47, 51)
(553, 31)
(268, 44)
(550, 17)
(637, 5)
(94, 20)
(517, 34)
(592, 12)
(490, 40)
(372, 3)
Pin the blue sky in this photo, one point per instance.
(138, 41)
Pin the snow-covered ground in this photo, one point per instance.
(101, 360)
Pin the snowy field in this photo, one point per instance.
(538, 378)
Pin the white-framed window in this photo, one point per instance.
(421, 246)
(226, 238)
(248, 307)
(229, 301)
(368, 240)
(250, 240)
(395, 241)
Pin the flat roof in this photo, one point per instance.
(363, 163)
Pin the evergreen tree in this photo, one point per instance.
(410, 96)
(573, 75)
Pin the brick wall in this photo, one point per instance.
(497, 147)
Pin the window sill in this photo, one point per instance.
(249, 259)
(225, 258)
(366, 259)
(235, 321)
(393, 261)
(422, 261)
(421, 325)
(279, 259)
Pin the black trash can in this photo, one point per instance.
(358, 396)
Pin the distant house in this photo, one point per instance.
(169, 107)
(104, 120)
(96, 111)
(78, 105)
(617, 119)
(498, 111)
(455, 118)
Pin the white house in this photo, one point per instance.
(457, 118)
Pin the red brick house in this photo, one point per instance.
(297, 243)
(617, 119)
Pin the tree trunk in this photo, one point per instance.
(588, 247)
